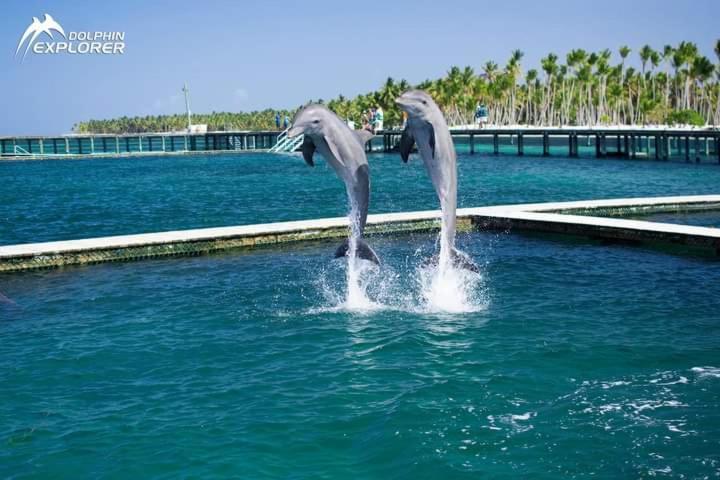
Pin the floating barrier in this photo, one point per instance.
(569, 218)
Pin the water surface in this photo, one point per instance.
(68, 199)
(580, 360)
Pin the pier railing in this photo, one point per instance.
(659, 144)
(689, 145)
(285, 143)
(135, 144)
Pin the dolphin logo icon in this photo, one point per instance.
(35, 29)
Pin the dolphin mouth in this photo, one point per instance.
(403, 103)
(294, 131)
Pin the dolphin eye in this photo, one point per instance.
(316, 121)
(424, 102)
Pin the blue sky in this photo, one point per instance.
(247, 55)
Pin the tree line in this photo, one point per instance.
(674, 85)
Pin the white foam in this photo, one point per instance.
(705, 372)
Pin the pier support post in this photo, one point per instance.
(687, 148)
(472, 144)
(117, 144)
(633, 146)
(67, 146)
(496, 144)
(546, 144)
(603, 145)
(42, 147)
(618, 146)
(658, 147)
(92, 145)
(697, 149)
(597, 145)
(717, 148)
(626, 142)
(520, 146)
(573, 144)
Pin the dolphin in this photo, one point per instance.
(6, 300)
(344, 149)
(426, 127)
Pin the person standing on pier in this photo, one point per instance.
(277, 121)
(286, 122)
(481, 115)
(379, 118)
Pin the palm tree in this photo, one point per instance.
(624, 52)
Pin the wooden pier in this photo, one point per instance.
(135, 144)
(690, 145)
(594, 219)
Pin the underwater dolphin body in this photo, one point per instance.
(344, 149)
(426, 127)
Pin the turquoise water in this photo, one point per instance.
(580, 360)
(66, 199)
(575, 359)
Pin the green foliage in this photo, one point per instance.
(657, 114)
(216, 121)
(685, 117)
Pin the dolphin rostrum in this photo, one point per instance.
(344, 150)
(426, 127)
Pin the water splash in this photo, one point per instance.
(411, 286)
(445, 288)
(357, 276)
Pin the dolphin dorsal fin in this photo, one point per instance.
(363, 135)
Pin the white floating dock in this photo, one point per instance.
(556, 217)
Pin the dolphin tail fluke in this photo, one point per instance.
(463, 260)
(362, 250)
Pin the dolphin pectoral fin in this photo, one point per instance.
(362, 250)
(308, 150)
(406, 144)
(333, 148)
(363, 136)
(432, 140)
(463, 260)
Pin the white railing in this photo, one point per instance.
(236, 142)
(285, 143)
(21, 151)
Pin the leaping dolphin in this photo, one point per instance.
(426, 127)
(344, 150)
